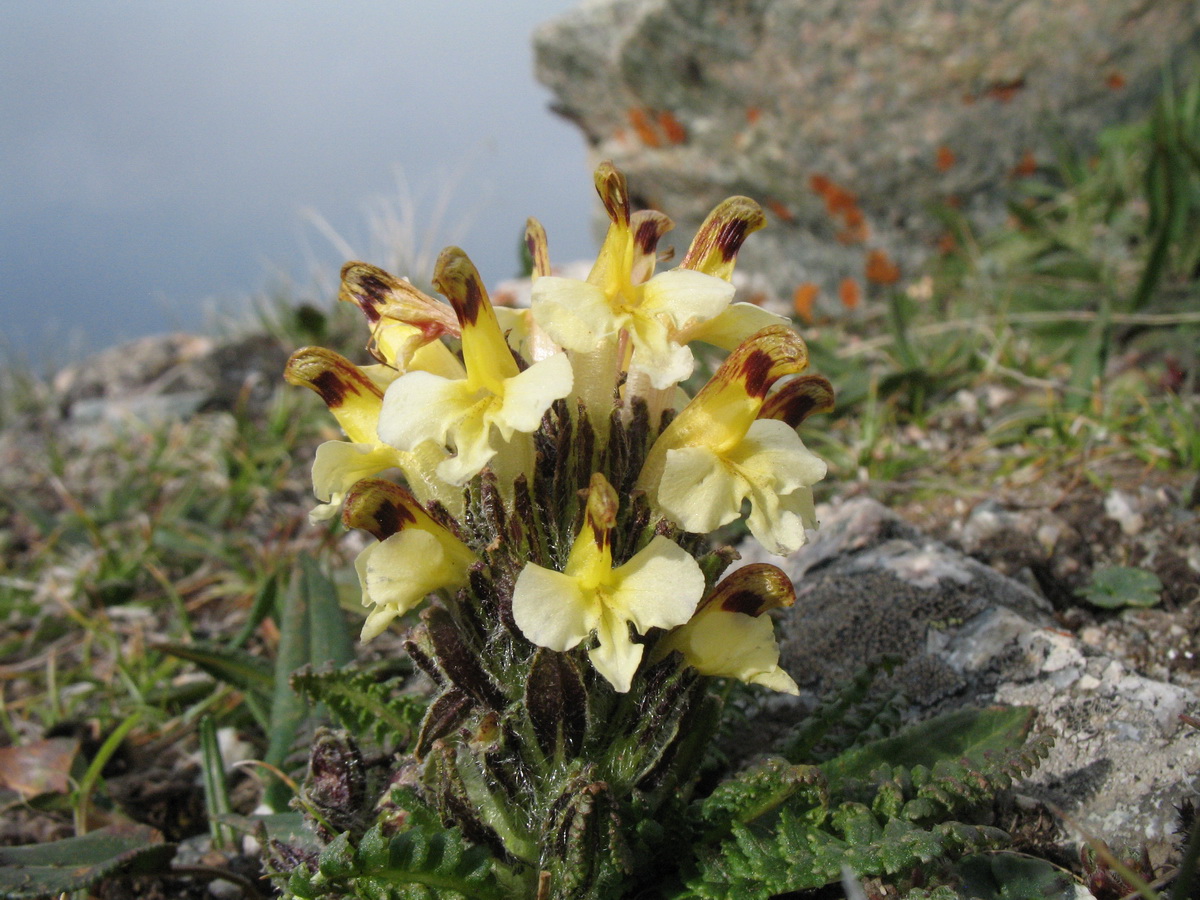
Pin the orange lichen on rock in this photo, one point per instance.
(656, 128)
(849, 293)
(857, 230)
(644, 127)
(781, 212)
(803, 300)
(843, 204)
(880, 269)
(945, 158)
(753, 114)
(839, 201)
(1115, 81)
(671, 127)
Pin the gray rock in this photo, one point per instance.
(869, 584)
(904, 104)
(170, 376)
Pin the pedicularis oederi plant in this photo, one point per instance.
(557, 486)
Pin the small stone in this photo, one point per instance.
(1125, 509)
(1088, 683)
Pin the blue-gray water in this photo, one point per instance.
(157, 159)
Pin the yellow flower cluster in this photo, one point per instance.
(465, 387)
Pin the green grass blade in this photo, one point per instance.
(216, 790)
(243, 670)
(313, 631)
(61, 867)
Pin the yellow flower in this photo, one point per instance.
(621, 301)
(658, 587)
(718, 452)
(355, 399)
(714, 252)
(415, 555)
(403, 319)
(731, 636)
(480, 413)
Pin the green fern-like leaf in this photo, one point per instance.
(794, 855)
(968, 735)
(858, 713)
(946, 766)
(890, 813)
(363, 703)
(1009, 876)
(761, 790)
(424, 860)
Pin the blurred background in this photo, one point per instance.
(162, 164)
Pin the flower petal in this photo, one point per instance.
(421, 406)
(616, 657)
(350, 394)
(550, 609)
(529, 395)
(473, 449)
(734, 325)
(685, 297)
(715, 247)
(659, 587)
(574, 313)
(655, 352)
(339, 464)
(798, 399)
(486, 354)
(733, 645)
(398, 573)
(778, 522)
(699, 491)
(772, 450)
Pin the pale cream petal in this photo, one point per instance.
(659, 587)
(776, 680)
(550, 609)
(772, 449)
(529, 395)
(775, 522)
(472, 440)
(616, 657)
(699, 491)
(402, 570)
(421, 406)
(396, 342)
(733, 645)
(323, 512)
(339, 464)
(575, 314)
(665, 361)
(437, 358)
(734, 325)
(377, 621)
(780, 470)
(685, 297)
